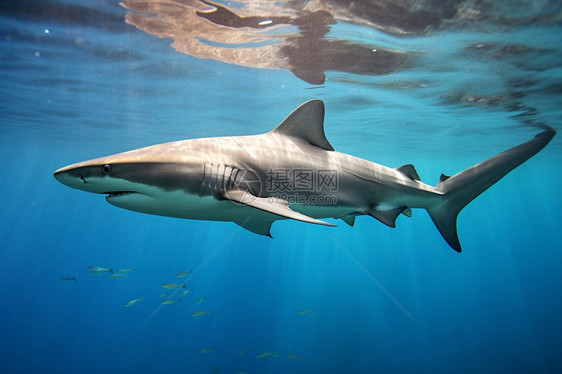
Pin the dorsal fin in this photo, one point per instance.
(442, 179)
(410, 171)
(306, 123)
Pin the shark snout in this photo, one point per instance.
(85, 177)
(75, 179)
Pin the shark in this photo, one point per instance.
(291, 172)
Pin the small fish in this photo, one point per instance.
(133, 302)
(162, 294)
(201, 313)
(122, 271)
(116, 276)
(98, 270)
(199, 301)
(306, 311)
(244, 351)
(170, 301)
(268, 354)
(186, 291)
(67, 278)
(208, 351)
(172, 286)
(183, 273)
(296, 357)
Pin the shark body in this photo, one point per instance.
(291, 172)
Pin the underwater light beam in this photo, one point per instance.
(198, 269)
(194, 99)
(369, 275)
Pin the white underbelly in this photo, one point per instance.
(181, 205)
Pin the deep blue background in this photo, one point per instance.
(387, 300)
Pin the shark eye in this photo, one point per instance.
(106, 169)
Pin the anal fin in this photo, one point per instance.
(349, 219)
(407, 212)
(387, 216)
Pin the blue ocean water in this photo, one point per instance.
(78, 82)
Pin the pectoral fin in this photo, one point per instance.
(275, 206)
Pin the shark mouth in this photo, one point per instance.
(117, 194)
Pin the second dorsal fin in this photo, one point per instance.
(306, 123)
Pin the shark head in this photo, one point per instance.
(218, 179)
(138, 179)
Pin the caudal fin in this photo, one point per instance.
(462, 188)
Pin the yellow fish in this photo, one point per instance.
(268, 354)
(122, 271)
(306, 311)
(170, 301)
(98, 270)
(208, 351)
(199, 301)
(172, 286)
(183, 273)
(201, 313)
(244, 351)
(133, 302)
(296, 357)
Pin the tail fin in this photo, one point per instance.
(462, 188)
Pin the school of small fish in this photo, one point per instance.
(175, 290)
(217, 370)
(171, 297)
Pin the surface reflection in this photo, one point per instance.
(288, 35)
